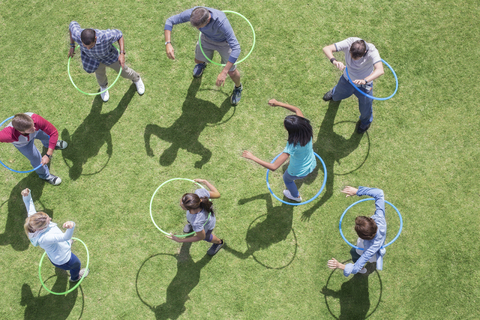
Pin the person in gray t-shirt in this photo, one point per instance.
(200, 216)
(364, 65)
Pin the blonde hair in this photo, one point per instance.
(36, 222)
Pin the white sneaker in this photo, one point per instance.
(140, 87)
(363, 271)
(54, 180)
(61, 145)
(287, 194)
(105, 95)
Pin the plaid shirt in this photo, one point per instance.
(103, 51)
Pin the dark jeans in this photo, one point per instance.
(354, 254)
(73, 265)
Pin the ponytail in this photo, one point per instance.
(192, 201)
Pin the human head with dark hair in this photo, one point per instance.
(194, 204)
(299, 130)
(365, 227)
(89, 38)
(358, 49)
(200, 17)
(23, 123)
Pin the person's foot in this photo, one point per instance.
(215, 248)
(328, 96)
(83, 273)
(140, 87)
(105, 95)
(361, 130)
(236, 95)
(287, 194)
(54, 180)
(188, 228)
(198, 69)
(363, 271)
(61, 145)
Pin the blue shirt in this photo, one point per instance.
(302, 159)
(372, 247)
(218, 29)
(102, 52)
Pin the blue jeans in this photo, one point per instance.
(73, 265)
(345, 89)
(34, 156)
(290, 183)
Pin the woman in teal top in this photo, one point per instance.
(299, 148)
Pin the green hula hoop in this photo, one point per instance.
(151, 201)
(75, 286)
(96, 93)
(241, 60)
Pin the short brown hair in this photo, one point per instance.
(22, 122)
(199, 17)
(365, 227)
(358, 49)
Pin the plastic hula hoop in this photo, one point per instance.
(27, 171)
(309, 200)
(372, 97)
(75, 286)
(368, 199)
(96, 93)
(241, 60)
(151, 201)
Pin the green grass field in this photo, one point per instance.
(423, 150)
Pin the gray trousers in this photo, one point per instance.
(101, 73)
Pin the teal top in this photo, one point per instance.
(302, 159)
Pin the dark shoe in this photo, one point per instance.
(83, 273)
(61, 145)
(198, 70)
(214, 248)
(236, 95)
(328, 96)
(54, 180)
(188, 228)
(361, 130)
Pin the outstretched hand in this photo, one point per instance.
(247, 154)
(25, 192)
(333, 263)
(350, 191)
(171, 236)
(273, 102)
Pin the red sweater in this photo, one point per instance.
(10, 134)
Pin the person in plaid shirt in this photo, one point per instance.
(98, 52)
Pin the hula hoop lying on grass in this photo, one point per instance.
(75, 286)
(96, 93)
(151, 201)
(372, 97)
(309, 200)
(241, 60)
(368, 199)
(27, 171)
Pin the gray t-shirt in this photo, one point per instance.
(197, 220)
(361, 68)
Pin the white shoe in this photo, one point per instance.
(140, 87)
(363, 271)
(105, 95)
(54, 180)
(287, 194)
(61, 145)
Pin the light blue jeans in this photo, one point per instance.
(290, 183)
(345, 89)
(34, 156)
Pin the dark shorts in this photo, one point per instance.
(208, 236)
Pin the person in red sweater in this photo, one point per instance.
(26, 127)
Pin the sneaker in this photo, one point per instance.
(188, 228)
(54, 180)
(287, 194)
(105, 95)
(363, 271)
(214, 248)
(328, 96)
(140, 87)
(198, 70)
(61, 145)
(361, 130)
(83, 273)
(236, 95)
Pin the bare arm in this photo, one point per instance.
(121, 57)
(275, 103)
(334, 264)
(223, 75)
(199, 236)
(272, 166)
(169, 48)
(214, 194)
(71, 52)
(329, 50)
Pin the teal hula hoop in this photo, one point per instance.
(75, 286)
(241, 60)
(372, 97)
(96, 93)
(368, 199)
(151, 201)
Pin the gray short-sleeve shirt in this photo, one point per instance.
(363, 67)
(198, 220)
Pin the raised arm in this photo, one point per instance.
(50, 238)
(28, 201)
(275, 103)
(214, 194)
(329, 50)
(272, 166)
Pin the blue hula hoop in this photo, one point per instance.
(309, 200)
(372, 97)
(384, 246)
(28, 171)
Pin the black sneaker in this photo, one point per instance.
(198, 70)
(83, 273)
(361, 130)
(54, 180)
(328, 96)
(61, 145)
(188, 228)
(236, 95)
(214, 248)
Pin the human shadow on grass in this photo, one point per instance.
(186, 279)
(354, 295)
(51, 306)
(185, 131)
(331, 147)
(92, 134)
(14, 234)
(274, 229)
